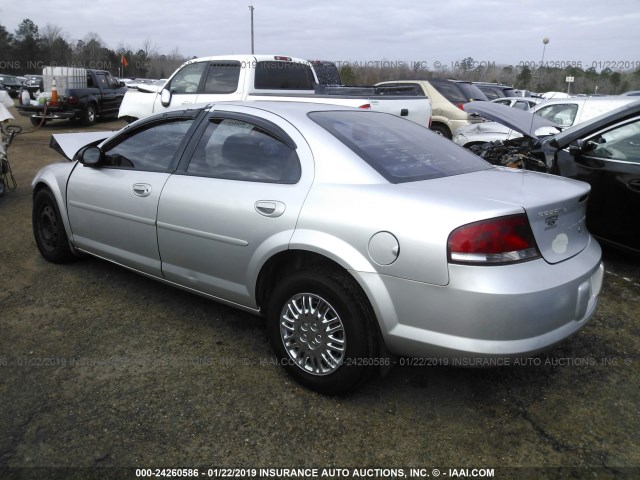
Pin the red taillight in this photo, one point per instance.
(496, 241)
(72, 100)
(366, 106)
(284, 59)
(430, 122)
(461, 106)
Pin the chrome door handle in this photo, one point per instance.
(141, 189)
(270, 208)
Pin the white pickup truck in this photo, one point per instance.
(262, 77)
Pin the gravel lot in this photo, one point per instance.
(100, 367)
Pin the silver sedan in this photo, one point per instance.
(358, 235)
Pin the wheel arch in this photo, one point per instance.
(437, 124)
(288, 261)
(50, 178)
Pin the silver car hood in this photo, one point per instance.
(68, 144)
(522, 122)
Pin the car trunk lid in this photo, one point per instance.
(555, 206)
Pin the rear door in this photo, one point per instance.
(234, 204)
(112, 208)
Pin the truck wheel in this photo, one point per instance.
(36, 122)
(89, 115)
(441, 130)
(321, 328)
(48, 229)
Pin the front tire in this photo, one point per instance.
(322, 330)
(48, 229)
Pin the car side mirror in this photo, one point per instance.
(90, 156)
(165, 97)
(580, 147)
(121, 84)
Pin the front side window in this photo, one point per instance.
(620, 143)
(188, 79)
(564, 114)
(237, 150)
(399, 150)
(151, 148)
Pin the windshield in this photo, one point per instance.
(400, 150)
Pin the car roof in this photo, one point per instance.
(628, 110)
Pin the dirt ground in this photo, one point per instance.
(100, 367)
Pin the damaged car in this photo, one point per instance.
(604, 152)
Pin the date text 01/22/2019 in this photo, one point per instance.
(596, 64)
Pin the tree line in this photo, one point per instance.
(31, 48)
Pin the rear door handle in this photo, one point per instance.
(141, 189)
(270, 208)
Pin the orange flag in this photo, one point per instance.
(123, 61)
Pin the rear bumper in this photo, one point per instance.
(484, 312)
(52, 113)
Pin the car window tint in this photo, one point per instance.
(102, 80)
(187, 80)
(400, 150)
(450, 91)
(521, 105)
(620, 143)
(222, 77)
(564, 114)
(151, 149)
(237, 150)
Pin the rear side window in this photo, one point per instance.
(398, 149)
(471, 92)
(222, 77)
(237, 150)
(281, 75)
(450, 91)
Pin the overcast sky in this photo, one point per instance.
(505, 32)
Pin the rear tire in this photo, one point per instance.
(441, 130)
(89, 115)
(48, 229)
(322, 330)
(36, 122)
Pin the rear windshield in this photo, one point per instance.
(400, 150)
(279, 75)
